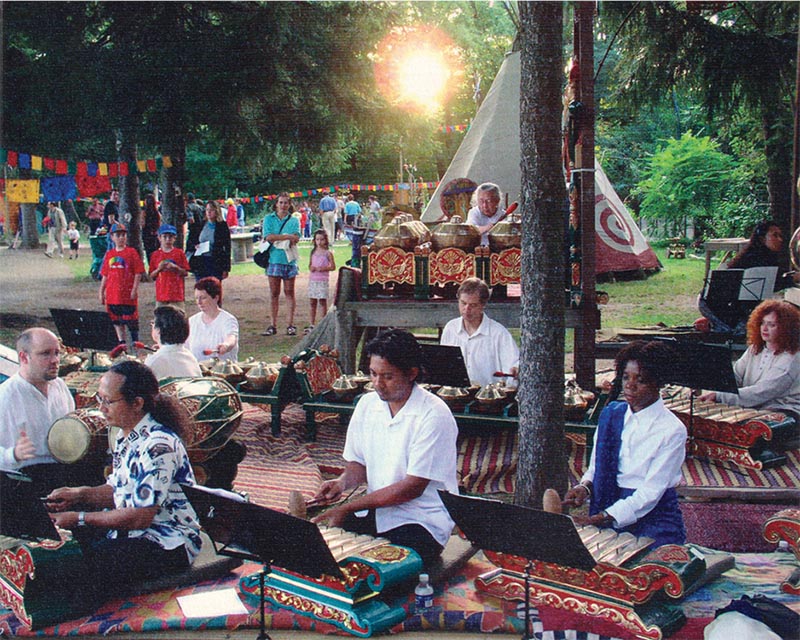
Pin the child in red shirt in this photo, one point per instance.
(169, 267)
(121, 271)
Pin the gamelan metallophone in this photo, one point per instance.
(733, 434)
(37, 578)
(367, 566)
(623, 589)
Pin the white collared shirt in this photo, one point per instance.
(651, 454)
(24, 408)
(766, 380)
(173, 361)
(420, 440)
(491, 348)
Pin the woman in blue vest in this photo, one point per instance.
(639, 449)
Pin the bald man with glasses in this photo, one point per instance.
(30, 401)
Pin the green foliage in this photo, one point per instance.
(737, 64)
(686, 178)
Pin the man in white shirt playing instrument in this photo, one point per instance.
(30, 401)
(486, 210)
(401, 441)
(639, 448)
(486, 345)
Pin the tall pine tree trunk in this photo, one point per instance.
(779, 168)
(542, 462)
(173, 206)
(130, 212)
(29, 233)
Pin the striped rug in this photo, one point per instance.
(274, 466)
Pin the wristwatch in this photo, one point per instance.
(81, 518)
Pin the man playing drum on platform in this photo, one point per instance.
(30, 401)
(486, 345)
(401, 441)
(139, 524)
(639, 448)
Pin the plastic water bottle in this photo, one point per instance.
(423, 594)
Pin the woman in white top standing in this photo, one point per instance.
(213, 331)
(768, 373)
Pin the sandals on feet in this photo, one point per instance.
(308, 329)
(291, 330)
(270, 331)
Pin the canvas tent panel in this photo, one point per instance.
(490, 152)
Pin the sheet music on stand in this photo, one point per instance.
(758, 283)
(252, 532)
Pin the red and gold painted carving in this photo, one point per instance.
(737, 434)
(784, 525)
(635, 585)
(451, 265)
(724, 453)
(322, 372)
(316, 609)
(506, 266)
(561, 597)
(390, 265)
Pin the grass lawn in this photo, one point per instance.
(669, 296)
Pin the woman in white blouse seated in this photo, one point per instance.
(173, 359)
(213, 331)
(768, 373)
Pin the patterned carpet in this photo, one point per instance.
(457, 607)
(274, 466)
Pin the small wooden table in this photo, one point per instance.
(722, 244)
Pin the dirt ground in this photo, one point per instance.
(31, 284)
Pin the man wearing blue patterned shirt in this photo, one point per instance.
(139, 525)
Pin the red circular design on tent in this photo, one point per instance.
(616, 230)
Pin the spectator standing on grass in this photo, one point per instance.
(282, 230)
(169, 268)
(327, 210)
(111, 214)
(150, 224)
(119, 290)
(56, 228)
(208, 247)
(95, 216)
(320, 264)
(74, 240)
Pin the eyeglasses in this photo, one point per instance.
(105, 402)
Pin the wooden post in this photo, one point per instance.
(583, 39)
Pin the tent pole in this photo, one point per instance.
(583, 43)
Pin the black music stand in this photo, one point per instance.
(252, 532)
(85, 329)
(444, 365)
(495, 525)
(722, 294)
(22, 513)
(701, 366)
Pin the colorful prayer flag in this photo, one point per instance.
(23, 191)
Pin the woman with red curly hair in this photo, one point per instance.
(768, 373)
